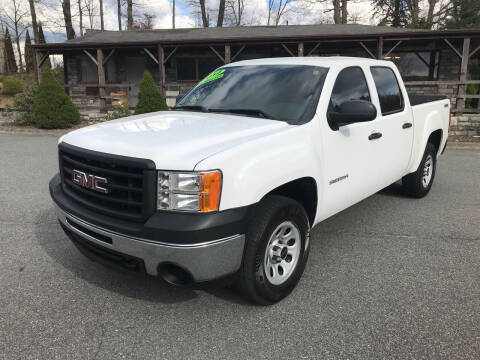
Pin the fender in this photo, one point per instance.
(426, 122)
(253, 169)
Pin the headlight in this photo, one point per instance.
(195, 191)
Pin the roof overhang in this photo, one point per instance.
(403, 35)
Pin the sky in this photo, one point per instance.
(255, 13)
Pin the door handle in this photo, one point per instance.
(406, 125)
(375, 135)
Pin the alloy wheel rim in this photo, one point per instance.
(282, 253)
(427, 171)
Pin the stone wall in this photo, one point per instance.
(465, 125)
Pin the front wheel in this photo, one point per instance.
(276, 250)
(418, 183)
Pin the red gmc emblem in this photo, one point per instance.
(90, 181)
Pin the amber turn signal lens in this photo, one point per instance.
(210, 187)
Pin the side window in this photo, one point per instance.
(350, 85)
(389, 94)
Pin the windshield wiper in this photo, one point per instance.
(254, 112)
(191, 107)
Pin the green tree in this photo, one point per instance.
(52, 108)
(463, 14)
(10, 62)
(28, 53)
(391, 12)
(150, 98)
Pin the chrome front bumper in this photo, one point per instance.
(204, 260)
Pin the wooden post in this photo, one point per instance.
(101, 79)
(227, 54)
(463, 74)
(37, 58)
(161, 69)
(65, 74)
(380, 48)
(300, 49)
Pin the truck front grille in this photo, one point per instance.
(131, 182)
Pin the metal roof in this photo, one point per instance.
(245, 34)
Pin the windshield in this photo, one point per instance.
(281, 92)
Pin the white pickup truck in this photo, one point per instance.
(228, 184)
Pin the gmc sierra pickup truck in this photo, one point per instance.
(228, 184)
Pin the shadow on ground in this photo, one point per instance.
(144, 287)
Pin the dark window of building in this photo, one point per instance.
(389, 93)
(207, 65)
(186, 69)
(350, 85)
(417, 65)
(87, 69)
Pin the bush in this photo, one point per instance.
(23, 104)
(53, 109)
(117, 112)
(12, 86)
(150, 98)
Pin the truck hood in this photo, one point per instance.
(174, 140)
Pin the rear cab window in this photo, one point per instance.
(388, 90)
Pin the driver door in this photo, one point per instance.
(351, 153)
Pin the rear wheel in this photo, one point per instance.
(418, 183)
(276, 250)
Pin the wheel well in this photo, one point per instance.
(303, 190)
(436, 138)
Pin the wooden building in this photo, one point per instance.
(102, 66)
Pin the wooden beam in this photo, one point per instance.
(474, 51)
(101, 79)
(287, 49)
(446, 82)
(216, 53)
(37, 58)
(170, 55)
(44, 57)
(393, 48)
(108, 57)
(313, 49)
(238, 52)
(151, 55)
(161, 68)
(366, 49)
(453, 48)
(91, 57)
(300, 49)
(463, 73)
(468, 97)
(227, 54)
(380, 48)
(463, 110)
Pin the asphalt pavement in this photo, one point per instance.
(389, 278)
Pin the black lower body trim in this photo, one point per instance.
(106, 256)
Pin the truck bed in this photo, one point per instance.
(417, 99)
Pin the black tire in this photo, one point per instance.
(270, 213)
(413, 184)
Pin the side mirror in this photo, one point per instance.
(350, 112)
(179, 97)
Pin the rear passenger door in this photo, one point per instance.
(396, 124)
